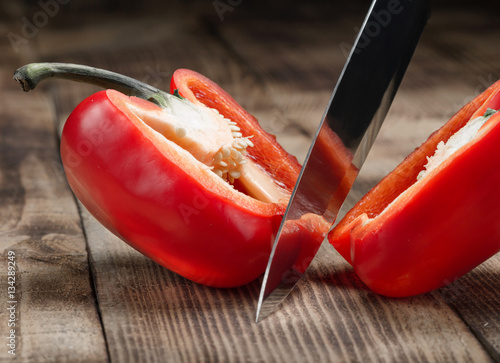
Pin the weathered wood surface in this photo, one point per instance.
(83, 295)
(53, 303)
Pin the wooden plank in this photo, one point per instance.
(153, 314)
(51, 300)
(409, 329)
(475, 298)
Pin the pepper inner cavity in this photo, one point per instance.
(213, 140)
(463, 136)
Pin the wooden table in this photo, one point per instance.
(82, 295)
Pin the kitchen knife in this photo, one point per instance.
(357, 108)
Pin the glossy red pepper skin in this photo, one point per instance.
(439, 228)
(135, 185)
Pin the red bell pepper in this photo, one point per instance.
(159, 178)
(409, 236)
(199, 191)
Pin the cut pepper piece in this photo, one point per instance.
(407, 236)
(159, 198)
(192, 182)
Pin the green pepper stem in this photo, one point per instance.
(31, 74)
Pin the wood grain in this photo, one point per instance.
(55, 309)
(284, 75)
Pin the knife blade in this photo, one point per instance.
(357, 108)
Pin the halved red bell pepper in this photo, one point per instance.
(159, 200)
(407, 237)
(196, 185)
(171, 191)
